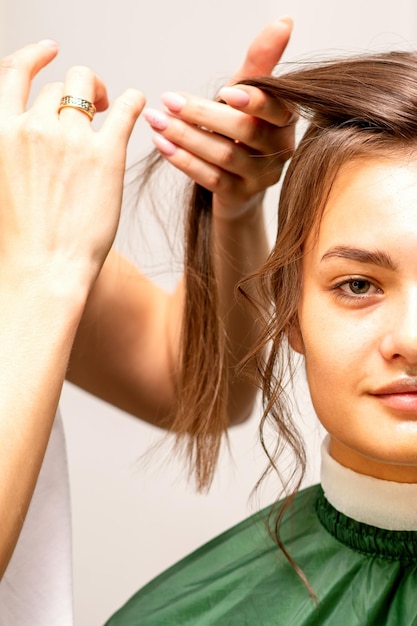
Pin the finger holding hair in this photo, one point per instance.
(237, 144)
(258, 104)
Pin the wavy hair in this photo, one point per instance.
(356, 107)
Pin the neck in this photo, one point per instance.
(369, 467)
(374, 501)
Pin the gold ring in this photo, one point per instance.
(74, 102)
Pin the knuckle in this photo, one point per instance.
(227, 154)
(126, 108)
(33, 129)
(186, 162)
(181, 132)
(215, 181)
(253, 132)
(227, 186)
(130, 103)
(197, 111)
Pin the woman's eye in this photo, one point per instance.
(359, 286)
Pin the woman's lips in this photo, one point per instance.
(404, 402)
(400, 395)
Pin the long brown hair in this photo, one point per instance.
(356, 108)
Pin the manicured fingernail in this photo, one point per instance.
(234, 96)
(164, 146)
(157, 119)
(173, 101)
(50, 43)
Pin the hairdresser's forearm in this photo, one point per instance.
(241, 247)
(38, 320)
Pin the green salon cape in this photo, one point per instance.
(361, 575)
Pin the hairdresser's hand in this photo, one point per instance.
(235, 151)
(60, 193)
(60, 181)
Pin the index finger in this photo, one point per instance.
(265, 50)
(17, 71)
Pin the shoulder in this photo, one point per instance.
(243, 560)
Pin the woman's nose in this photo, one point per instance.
(399, 339)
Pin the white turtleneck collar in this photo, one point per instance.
(373, 501)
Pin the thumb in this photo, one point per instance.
(265, 50)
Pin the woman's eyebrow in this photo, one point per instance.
(373, 257)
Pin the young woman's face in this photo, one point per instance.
(358, 318)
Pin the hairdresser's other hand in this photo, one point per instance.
(60, 181)
(60, 193)
(235, 151)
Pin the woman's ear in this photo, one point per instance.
(295, 338)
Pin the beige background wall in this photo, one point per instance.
(133, 516)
